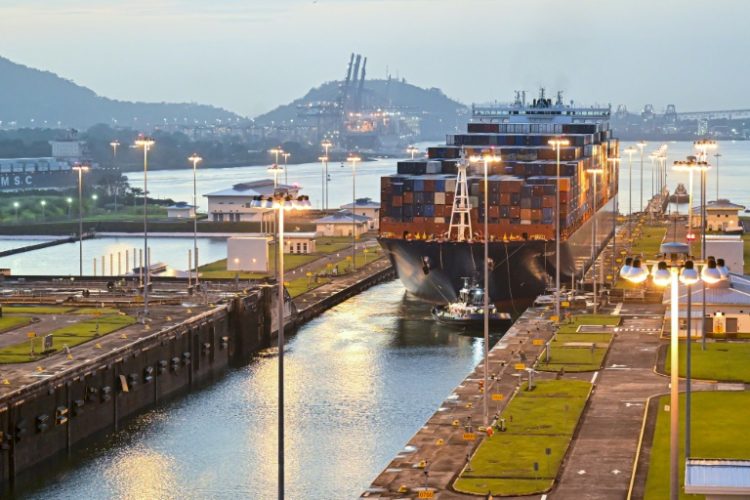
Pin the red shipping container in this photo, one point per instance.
(397, 201)
(440, 210)
(408, 197)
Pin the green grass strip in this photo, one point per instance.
(724, 361)
(537, 420)
(719, 430)
(70, 335)
(8, 323)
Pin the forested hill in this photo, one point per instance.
(28, 94)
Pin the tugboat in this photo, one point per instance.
(468, 310)
(680, 195)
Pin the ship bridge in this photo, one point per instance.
(541, 109)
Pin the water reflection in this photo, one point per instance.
(361, 379)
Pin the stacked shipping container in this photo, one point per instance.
(522, 189)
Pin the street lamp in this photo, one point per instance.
(80, 169)
(323, 168)
(195, 159)
(717, 156)
(616, 178)
(353, 159)
(69, 200)
(326, 146)
(276, 170)
(557, 144)
(413, 150)
(690, 165)
(115, 144)
(594, 172)
(670, 274)
(630, 150)
(44, 204)
(286, 170)
(281, 203)
(15, 208)
(641, 145)
(146, 143)
(486, 159)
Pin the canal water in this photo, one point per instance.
(360, 380)
(63, 259)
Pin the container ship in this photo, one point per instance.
(432, 214)
(48, 173)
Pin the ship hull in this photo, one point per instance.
(54, 180)
(520, 270)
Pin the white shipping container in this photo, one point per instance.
(439, 220)
(439, 198)
(450, 185)
(434, 167)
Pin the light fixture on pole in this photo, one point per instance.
(670, 273)
(615, 211)
(69, 201)
(557, 144)
(195, 159)
(276, 170)
(717, 156)
(594, 172)
(690, 165)
(286, 169)
(353, 159)
(115, 144)
(641, 145)
(15, 208)
(323, 162)
(276, 152)
(486, 159)
(43, 203)
(146, 143)
(281, 203)
(326, 144)
(80, 169)
(630, 150)
(412, 150)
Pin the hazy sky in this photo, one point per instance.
(250, 55)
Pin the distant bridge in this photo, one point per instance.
(729, 114)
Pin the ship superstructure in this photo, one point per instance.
(419, 201)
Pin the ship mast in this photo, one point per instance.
(461, 212)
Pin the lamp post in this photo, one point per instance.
(276, 152)
(717, 156)
(94, 197)
(616, 164)
(146, 143)
(281, 203)
(115, 144)
(323, 168)
(15, 209)
(43, 203)
(412, 150)
(594, 172)
(286, 170)
(630, 150)
(353, 159)
(80, 169)
(557, 144)
(326, 146)
(195, 159)
(69, 200)
(641, 145)
(276, 170)
(670, 274)
(486, 160)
